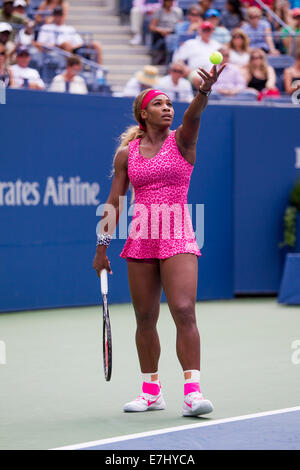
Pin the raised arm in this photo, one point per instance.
(112, 209)
(187, 133)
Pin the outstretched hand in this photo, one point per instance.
(210, 78)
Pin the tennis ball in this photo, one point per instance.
(216, 58)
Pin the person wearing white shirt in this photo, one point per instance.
(69, 81)
(65, 36)
(239, 53)
(24, 76)
(174, 85)
(146, 78)
(196, 52)
(25, 38)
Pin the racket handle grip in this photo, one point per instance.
(103, 282)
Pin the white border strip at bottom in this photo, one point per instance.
(128, 437)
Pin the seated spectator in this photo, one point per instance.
(162, 24)
(233, 14)
(258, 74)
(26, 38)
(5, 39)
(231, 81)
(50, 5)
(220, 34)
(176, 87)
(69, 81)
(291, 76)
(239, 52)
(64, 36)
(24, 76)
(205, 5)
(20, 7)
(196, 52)
(146, 78)
(289, 43)
(281, 9)
(259, 31)
(5, 72)
(192, 22)
(7, 15)
(139, 10)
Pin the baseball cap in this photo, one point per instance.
(295, 12)
(206, 25)
(22, 50)
(5, 27)
(212, 12)
(20, 3)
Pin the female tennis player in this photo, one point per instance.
(158, 162)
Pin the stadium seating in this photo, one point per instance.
(279, 63)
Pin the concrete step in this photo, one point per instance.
(86, 10)
(122, 77)
(121, 49)
(118, 80)
(104, 28)
(132, 68)
(117, 40)
(126, 60)
(93, 19)
(91, 3)
(125, 69)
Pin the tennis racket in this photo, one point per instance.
(107, 351)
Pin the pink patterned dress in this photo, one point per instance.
(161, 226)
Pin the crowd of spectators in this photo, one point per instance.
(35, 42)
(180, 39)
(249, 37)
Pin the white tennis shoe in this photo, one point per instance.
(145, 402)
(194, 405)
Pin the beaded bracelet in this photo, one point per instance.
(103, 239)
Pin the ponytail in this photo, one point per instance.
(132, 132)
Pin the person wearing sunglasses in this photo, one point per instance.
(259, 75)
(259, 31)
(175, 85)
(196, 52)
(239, 52)
(232, 81)
(192, 22)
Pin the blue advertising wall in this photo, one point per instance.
(267, 142)
(56, 156)
(47, 238)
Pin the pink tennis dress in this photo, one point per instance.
(161, 226)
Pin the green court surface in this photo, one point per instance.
(53, 391)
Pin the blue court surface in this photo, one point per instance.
(275, 430)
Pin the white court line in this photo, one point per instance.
(110, 440)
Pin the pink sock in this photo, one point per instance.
(191, 387)
(151, 388)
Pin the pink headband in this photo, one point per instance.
(147, 98)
